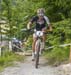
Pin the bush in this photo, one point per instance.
(57, 55)
(61, 35)
(8, 58)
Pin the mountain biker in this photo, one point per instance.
(40, 21)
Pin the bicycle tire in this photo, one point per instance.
(37, 56)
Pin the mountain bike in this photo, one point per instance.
(38, 45)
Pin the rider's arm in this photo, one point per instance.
(31, 22)
(29, 25)
(48, 22)
(50, 27)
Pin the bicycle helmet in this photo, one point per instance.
(40, 12)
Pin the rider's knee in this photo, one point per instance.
(34, 40)
(43, 38)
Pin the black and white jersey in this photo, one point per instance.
(40, 24)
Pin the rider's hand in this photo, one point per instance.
(28, 29)
(50, 31)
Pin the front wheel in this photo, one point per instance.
(37, 48)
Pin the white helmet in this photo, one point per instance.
(40, 12)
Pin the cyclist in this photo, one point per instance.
(40, 21)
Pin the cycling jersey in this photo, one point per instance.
(40, 24)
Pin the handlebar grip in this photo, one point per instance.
(28, 30)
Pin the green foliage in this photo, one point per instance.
(19, 12)
(8, 58)
(57, 55)
(61, 35)
(58, 9)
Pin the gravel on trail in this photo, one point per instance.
(27, 68)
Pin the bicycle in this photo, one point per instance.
(38, 45)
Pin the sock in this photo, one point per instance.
(33, 55)
(35, 52)
(42, 45)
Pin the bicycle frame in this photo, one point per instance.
(38, 47)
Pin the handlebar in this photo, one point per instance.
(32, 30)
(29, 30)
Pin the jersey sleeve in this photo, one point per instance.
(47, 20)
(33, 19)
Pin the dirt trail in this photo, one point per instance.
(27, 68)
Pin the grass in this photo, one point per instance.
(57, 55)
(8, 58)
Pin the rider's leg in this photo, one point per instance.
(33, 46)
(43, 41)
(42, 44)
(43, 38)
